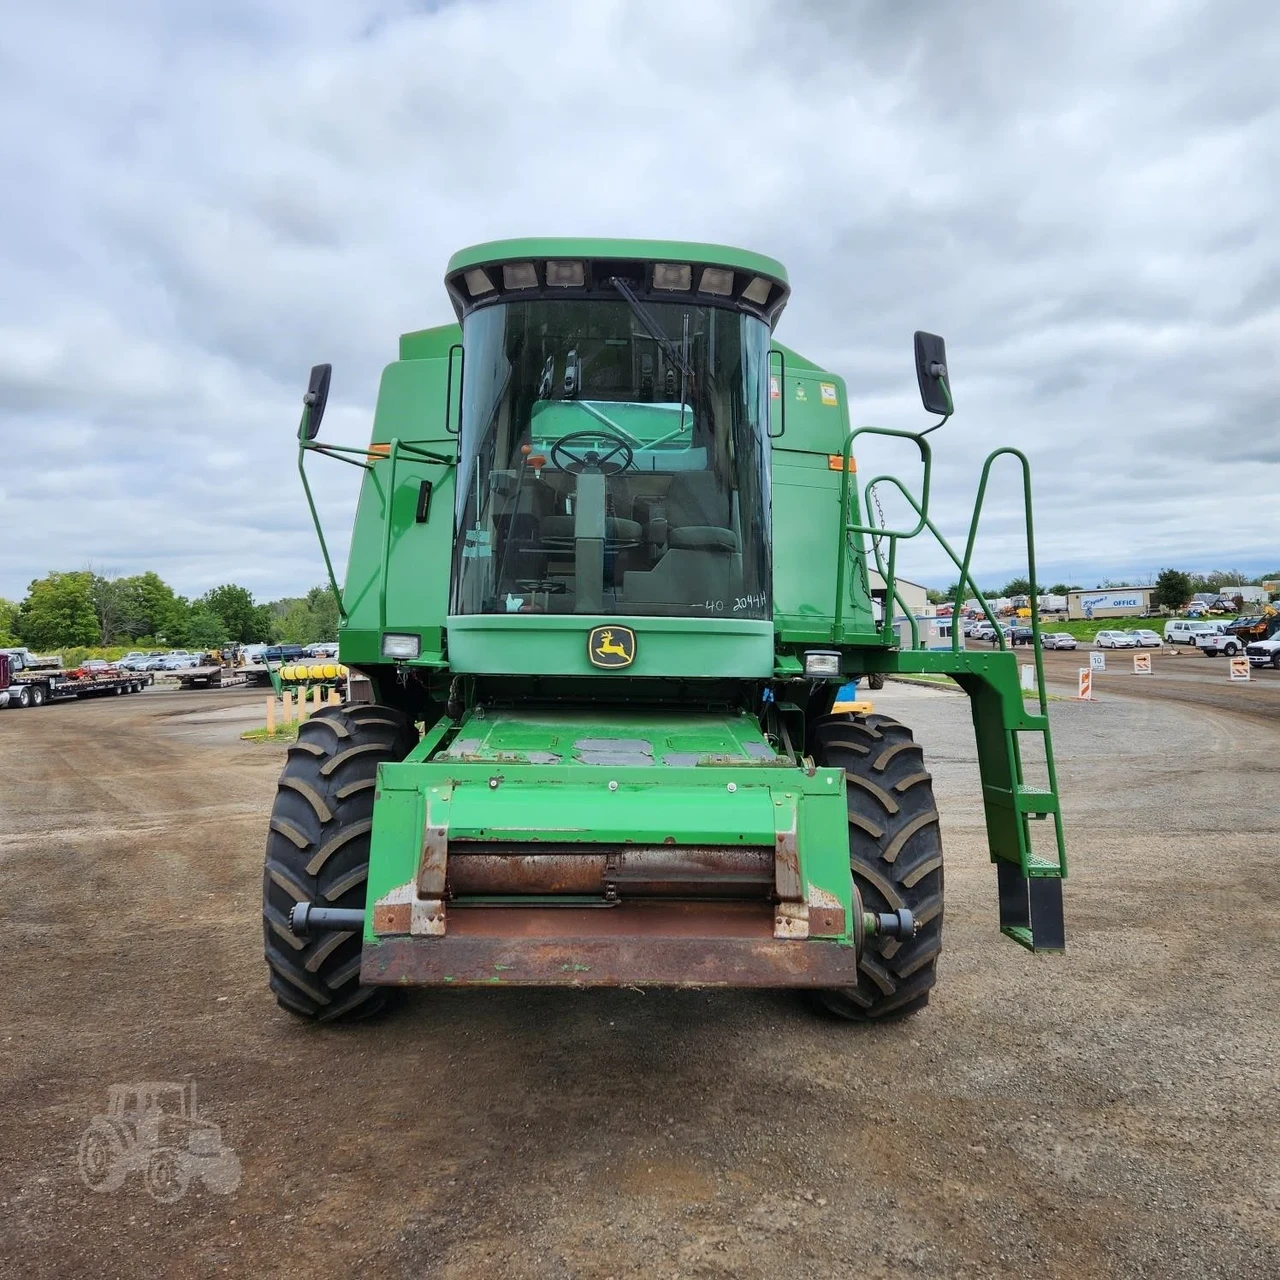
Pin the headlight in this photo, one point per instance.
(400, 646)
(822, 662)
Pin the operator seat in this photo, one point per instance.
(697, 511)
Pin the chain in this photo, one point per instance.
(875, 540)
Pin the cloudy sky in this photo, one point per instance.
(200, 200)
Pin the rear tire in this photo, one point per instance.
(875, 680)
(318, 852)
(37, 696)
(895, 852)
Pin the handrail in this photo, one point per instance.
(841, 554)
(1033, 592)
(368, 455)
(888, 570)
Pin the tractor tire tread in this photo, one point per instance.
(317, 851)
(895, 853)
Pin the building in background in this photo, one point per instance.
(1123, 602)
(914, 596)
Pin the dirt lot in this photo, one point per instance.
(1108, 1112)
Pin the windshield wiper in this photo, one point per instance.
(651, 326)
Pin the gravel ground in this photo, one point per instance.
(1109, 1112)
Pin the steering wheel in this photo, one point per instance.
(578, 458)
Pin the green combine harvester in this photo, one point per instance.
(608, 571)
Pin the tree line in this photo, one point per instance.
(83, 609)
(1172, 589)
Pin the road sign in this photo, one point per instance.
(1239, 668)
(1086, 685)
(1097, 661)
(1141, 664)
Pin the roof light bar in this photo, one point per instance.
(672, 275)
(566, 275)
(717, 280)
(758, 291)
(519, 275)
(478, 281)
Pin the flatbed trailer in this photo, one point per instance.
(34, 688)
(208, 677)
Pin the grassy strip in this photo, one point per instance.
(281, 733)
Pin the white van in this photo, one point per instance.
(1184, 631)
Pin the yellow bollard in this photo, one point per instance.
(286, 702)
(271, 714)
(335, 698)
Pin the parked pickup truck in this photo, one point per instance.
(1215, 644)
(1264, 653)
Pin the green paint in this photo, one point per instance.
(685, 715)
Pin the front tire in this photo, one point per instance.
(318, 852)
(895, 853)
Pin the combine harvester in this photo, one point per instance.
(608, 571)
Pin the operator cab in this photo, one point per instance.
(614, 439)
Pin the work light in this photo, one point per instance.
(822, 662)
(395, 645)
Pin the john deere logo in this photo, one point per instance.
(611, 646)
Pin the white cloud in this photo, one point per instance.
(201, 202)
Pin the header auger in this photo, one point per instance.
(608, 571)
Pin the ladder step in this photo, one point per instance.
(1022, 799)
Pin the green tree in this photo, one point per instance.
(1061, 589)
(162, 611)
(59, 612)
(1018, 587)
(1173, 589)
(205, 629)
(324, 609)
(8, 624)
(242, 620)
(305, 619)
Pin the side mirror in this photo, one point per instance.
(931, 373)
(315, 400)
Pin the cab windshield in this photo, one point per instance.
(614, 460)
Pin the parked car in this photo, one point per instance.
(1115, 640)
(282, 653)
(178, 662)
(1021, 635)
(1058, 640)
(131, 659)
(96, 666)
(1146, 639)
(329, 649)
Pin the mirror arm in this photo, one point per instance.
(315, 520)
